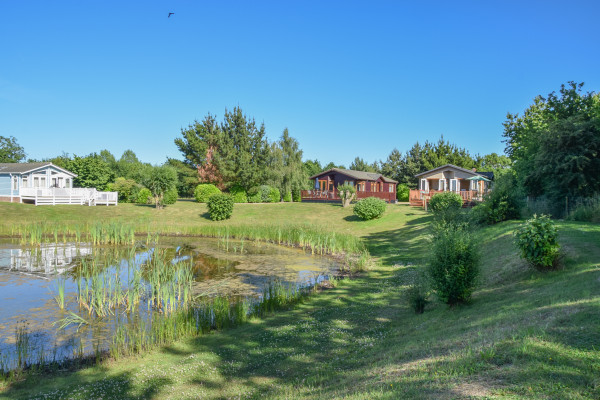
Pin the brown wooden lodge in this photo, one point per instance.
(367, 184)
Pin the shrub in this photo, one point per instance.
(170, 196)
(128, 189)
(144, 196)
(369, 208)
(255, 198)
(504, 202)
(204, 191)
(453, 267)
(220, 206)
(274, 195)
(238, 194)
(537, 239)
(402, 192)
(446, 201)
(297, 195)
(287, 197)
(587, 210)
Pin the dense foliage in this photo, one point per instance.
(453, 266)
(143, 196)
(537, 239)
(128, 189)
(170, 196)
(402, 192)
(555, 145)
(159, 181)
(10, 150)
(220, 206)
(238, 194)
(369, 208)
(504, 202)
(264, 194)
(445, 202)
(92, 171)
(204, 190)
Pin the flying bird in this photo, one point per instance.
(169, 16)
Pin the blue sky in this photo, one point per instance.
(347, 78)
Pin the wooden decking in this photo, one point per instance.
(78, 196)
(333, 195)
(419, 197)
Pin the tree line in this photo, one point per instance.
(552, 151)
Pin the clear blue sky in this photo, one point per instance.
(347, 78)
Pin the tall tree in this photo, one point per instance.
(361, 165)
(187, 177)
(553, 144)
(292, 171)
(91, 170)
(10, 150)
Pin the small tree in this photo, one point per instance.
(159, 181)
(453, 267)
(347, 193)
(538, 241)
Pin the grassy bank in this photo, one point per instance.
(526, 334)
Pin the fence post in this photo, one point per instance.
(566, 206)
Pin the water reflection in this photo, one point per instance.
(31, 277)
(48, 259)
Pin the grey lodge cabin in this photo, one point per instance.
(367, 184)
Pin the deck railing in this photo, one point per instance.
(334, 195)
(416, 196)
(52, 196)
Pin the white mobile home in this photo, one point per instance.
(46, 183)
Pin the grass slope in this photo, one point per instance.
(526, 335)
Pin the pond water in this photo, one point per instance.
(41, 287)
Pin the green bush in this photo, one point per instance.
(297, 195)
(144, 196)
(504, 202)
(287, 197)
(238, 194)
(453, 267)
(369, 208)
(446, 201)
(274, 195)
(220, 206)
(255, 198)
(588, 211)
(170, 196)
(204, 191)
(537, 239)
(128, 189)
(402, 192)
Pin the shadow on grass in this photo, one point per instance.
(360, 339)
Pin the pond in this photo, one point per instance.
(61, 301)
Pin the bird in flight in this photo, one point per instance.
(169, 16)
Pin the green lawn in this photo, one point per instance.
(526, 334)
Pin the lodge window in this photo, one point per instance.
(15, 183)
(391, 188)
(25, 179)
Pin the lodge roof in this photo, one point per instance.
(489, 175)
(358, 175)
(22, 168)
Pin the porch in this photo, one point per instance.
(419, 197)
(81, 196)
(333, 195)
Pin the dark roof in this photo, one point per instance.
(489, 175)
(470, 171)
(359, 175)
(21, 168)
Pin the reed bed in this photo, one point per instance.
(318, 240)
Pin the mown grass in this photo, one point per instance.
(526, 334)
